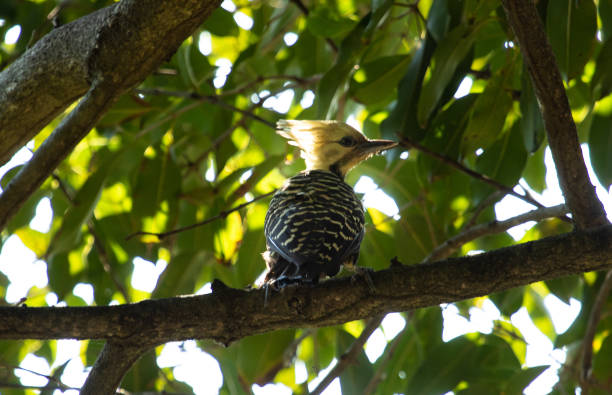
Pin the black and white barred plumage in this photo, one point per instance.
(314, 225)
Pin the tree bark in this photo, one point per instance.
(104, 54)
(579, 193)
(229, 314)
(114, 361)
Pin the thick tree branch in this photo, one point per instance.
(113, 362)
(129, 40)
(51, 75)
(578, 191)
(54, 149)
(229, 314)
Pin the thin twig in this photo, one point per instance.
(451, 245)
(221, 215)
(407, 143)
(587, 342)
(172, 115)
(207, 98)
(489, 200)
(33, 387)
(299, 81)
(59, 384)
(350, 356)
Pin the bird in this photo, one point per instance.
(315, 222)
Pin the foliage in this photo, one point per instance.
(197, 138)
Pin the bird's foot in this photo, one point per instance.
(282, 282)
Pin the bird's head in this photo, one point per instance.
(331, 145)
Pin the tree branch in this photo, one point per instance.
(229, 314)
(221, 215)
(206, 98)
(407, 143)
(125, 43)
(449, 246)
(113, 362)
(587, 341)
(349, 357)
(51, 75)
(53, 150)
(587, 210)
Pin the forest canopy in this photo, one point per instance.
(145, 155)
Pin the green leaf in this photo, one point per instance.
(79, 212)
(382, 76)
(600, 146)
(56, 374)
(128, 107)
(605, 14)
(531, 121)
(377, 249)
(221, 23)
(156, 180)
(602, 361)
(36, 241)
(538, 312)
(404, 360)
(564, 288)
(249, 265)
(403, 118)
(357, 375)
(520, 380)
(350, 49)
(571, 27)
(61, 280)
(535, 170)
(508, 302)
(193, 66)
(379, 10)
(322, 22)
(258, 172)
(438, 373)
(505, 159)
(601, 84)
(261, 356)
(445, 60)
(181, 274)
(439, 20)
(489, 115)
(444, 137)
(143, 374)
(312, 55)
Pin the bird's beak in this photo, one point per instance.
(373, 147)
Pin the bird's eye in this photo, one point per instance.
(347, 141)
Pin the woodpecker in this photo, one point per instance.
(315, 222)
